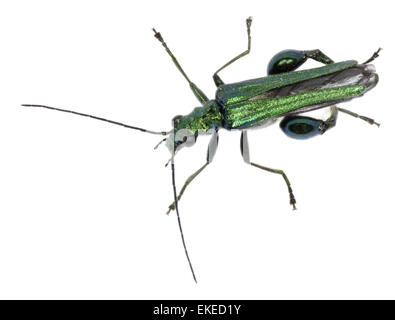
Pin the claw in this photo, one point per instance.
(249, 22)
(171, 207)
(369, 120)
(157, 35)
(293, 202)
(374, 56)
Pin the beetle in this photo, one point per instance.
(284, 93)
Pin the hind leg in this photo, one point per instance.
(356, 115)
(290, 60)
(246, 157)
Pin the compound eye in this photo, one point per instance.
(302, 127)
(286, 61)
(185, 137)
(190, 139)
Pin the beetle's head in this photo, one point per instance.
(181, 135)
(187, 128)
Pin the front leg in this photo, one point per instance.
(212, 148)
(199, 94)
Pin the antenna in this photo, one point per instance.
(163, 133)
(178, 216)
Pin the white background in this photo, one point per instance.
(82, 203)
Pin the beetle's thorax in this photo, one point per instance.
(186, 129)
(201, 119)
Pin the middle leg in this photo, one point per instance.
(246, 157)
(218, 81)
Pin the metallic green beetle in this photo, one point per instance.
(284, 93)
(261, 102)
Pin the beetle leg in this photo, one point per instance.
(318, 55)
(218, 81)
(212, 148)
(374, 56)
(302, 127)
(332, 119)
(369, 120)
(246, 156)
(290, 60)
(196, 91)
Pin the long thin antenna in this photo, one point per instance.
(178, 217)
(163, 133)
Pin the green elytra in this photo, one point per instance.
(284, 93)
(236, 108)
